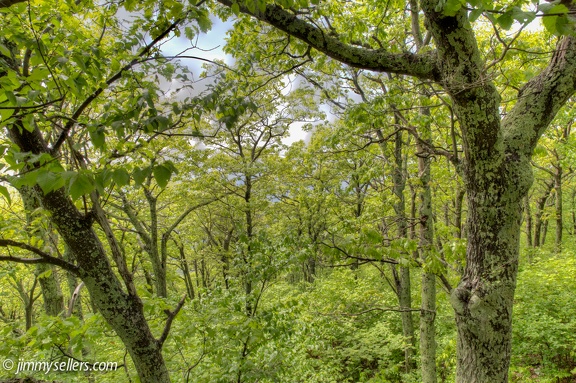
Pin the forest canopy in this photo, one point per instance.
(159, 223)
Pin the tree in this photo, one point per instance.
(55, 66)
(497, 149)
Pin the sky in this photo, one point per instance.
(209, 46)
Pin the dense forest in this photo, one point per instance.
(354, 191)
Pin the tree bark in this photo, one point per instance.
(49, 284)
(402, 278)
(458, 199)
(428, 290)
(540, 204)
(51, 291)
(123, 311)
(558, 205)
(528, 215)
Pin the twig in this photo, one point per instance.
(171, 316)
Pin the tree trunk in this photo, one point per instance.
(158, 264)
(49, 284)
(559, 212)
(544, 232)
(402, 279)
(122, 310)
(528, 214)
(483, 300)
(51, 291)
(428, 309)
(539, 213)
(459, 198)
(186, 272)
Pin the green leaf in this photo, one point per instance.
(251, 5)
(45, 274)
(121, 177)
(49, 181)
(475, 14)
(551, 15)
(140, 175)
(5, 114)
(522, 16)
(162, 175)
(452, 7)
(102, 180)
(6, 193)
(235, 9)
(98, 137)
(550, 24)
(564, 26)
(26, 179)
(204, 23)
(373, 236)
(505, 20)
(5, 51)
(80, 185)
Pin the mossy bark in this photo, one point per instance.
(426, 242)
(122, 310)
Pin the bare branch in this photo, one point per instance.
(171, 316)
(44, 257)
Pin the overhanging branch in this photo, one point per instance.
(44, 257)
(423, 66)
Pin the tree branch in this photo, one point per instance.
(540, 99)
(171, 316)
(70, 123)
(9, 3)
(424, 66)
(44, 257)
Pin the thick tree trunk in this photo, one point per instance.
(483, 300)
(122, 310)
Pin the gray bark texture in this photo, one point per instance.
(428, 309)
(402, 279)
(496, 165)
